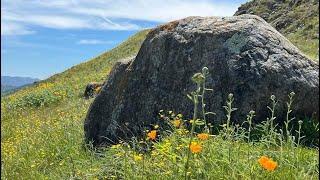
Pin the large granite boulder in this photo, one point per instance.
(245, 56)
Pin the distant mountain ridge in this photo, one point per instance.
(17, 80)
(298, 20)
(9, 83)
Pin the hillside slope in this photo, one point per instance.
(71, 83)
(42, 124)
(298, 20)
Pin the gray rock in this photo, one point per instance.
(245, 56)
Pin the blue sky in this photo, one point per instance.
(42, 37)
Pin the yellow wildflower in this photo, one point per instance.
(115, 146)
(154, 153)
(98, 89)
(176, 123)
(138, 157)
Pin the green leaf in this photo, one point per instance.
(207, 113)
(200, 122)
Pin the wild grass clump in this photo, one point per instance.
(43, 95)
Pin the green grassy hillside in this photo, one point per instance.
(70, 84)
(42, 125)
(298, 20)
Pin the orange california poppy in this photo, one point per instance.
(270, 165)
(152, 134)
(195, 147)
(203, 136)
(263, 159)
(267, 163)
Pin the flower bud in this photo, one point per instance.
(230, 96)
(292, 94)
(205, 70)
(198, 78)
(272, 97)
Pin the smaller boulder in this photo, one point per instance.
(92, 89)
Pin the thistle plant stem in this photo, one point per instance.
(203, 104)
(287, 117)
(228, 131)
(272, 118)
(195, 110)
(228, 119)
(298, 143)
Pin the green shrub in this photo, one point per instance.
(40, 98)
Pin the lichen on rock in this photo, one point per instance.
(236, 42)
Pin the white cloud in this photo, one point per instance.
(50, 21)
(67, 22)
(154, 10)
(94, 41)
(102, 14)
(9, 28)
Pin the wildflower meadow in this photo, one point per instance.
(42, 136)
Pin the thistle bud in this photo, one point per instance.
(230, 96)
(292, 94)
(272, 97)
(198, 78)
(205, 71)
(251, 112)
